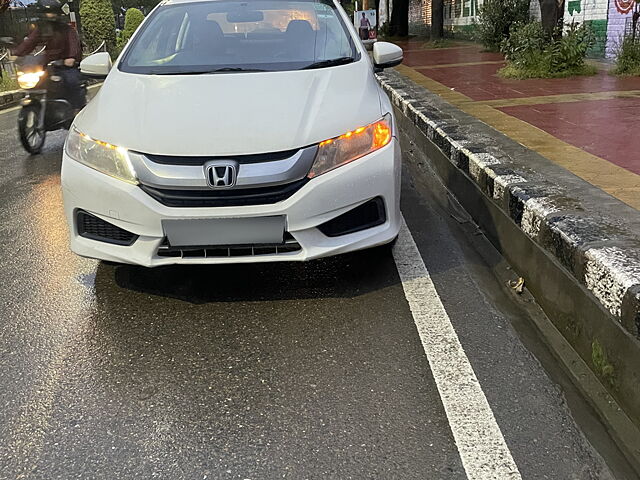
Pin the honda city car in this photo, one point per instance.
(235, 131)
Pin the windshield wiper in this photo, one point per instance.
(329, 63)
(234, 69)
(205, 72)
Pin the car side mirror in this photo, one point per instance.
(96, 65)
(386, 55)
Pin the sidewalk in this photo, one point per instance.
(584, 124)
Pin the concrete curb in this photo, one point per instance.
(11, 98)
(611, 273)
(591, 254)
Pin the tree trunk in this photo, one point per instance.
(549, 14)
(437, 19)
(399, 25)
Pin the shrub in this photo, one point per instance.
(628, 57)
(383, 31)
(530, 53)
(569, 51)
(132, 20)
(98, 24)
(496, 18)
(8, 83)
(525, 45)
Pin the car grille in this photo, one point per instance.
(241, 159)
(224, 198)
(289, 246)
(94, 228)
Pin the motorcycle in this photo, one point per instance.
(44, 108)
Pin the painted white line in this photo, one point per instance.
(8, 110)
(482, 448)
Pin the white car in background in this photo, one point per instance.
(235, 131)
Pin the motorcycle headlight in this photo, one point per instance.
(104, 157)
(346, 148)
(28, 80)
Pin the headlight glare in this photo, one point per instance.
(346, 148)
(28, 80)
(102, 156)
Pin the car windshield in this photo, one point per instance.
(232, 36)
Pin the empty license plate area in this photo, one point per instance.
(225, 231)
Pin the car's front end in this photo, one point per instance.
(350, 208)
(233, 167)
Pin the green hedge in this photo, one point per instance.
(98, 24)
(496, 18)
(132, 20)
(530, 53)
(628, 57)
(8, 83)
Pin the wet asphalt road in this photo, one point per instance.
(294, 371)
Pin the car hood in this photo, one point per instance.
(231, 113)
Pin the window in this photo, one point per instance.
(223, 36)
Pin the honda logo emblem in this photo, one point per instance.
(221, 173)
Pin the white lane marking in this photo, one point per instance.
(482, 447)
(13, 109)
(8, 110)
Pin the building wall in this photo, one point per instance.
(594, 13)
(619, 21)
(607, 18)
(419, 17)
(460, 16)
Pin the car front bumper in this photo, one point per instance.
(318, 201)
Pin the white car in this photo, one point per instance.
(235, 131)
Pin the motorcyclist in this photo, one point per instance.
(61, 43)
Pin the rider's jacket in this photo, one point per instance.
(60, 39)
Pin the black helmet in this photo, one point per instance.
(50, 9)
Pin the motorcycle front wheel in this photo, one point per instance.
(31, 135)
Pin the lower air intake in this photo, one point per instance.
(369, 214)
(90, 226)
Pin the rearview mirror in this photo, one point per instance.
(386, 55)
(245, 16)
(96, 65)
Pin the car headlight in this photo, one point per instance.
(346, 148)
(28, 80)
(104, 157)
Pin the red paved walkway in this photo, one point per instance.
(602, 127)
(605, 128)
